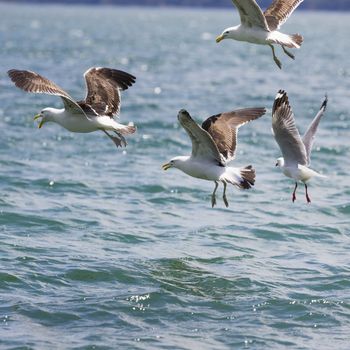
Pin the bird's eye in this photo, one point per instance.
(226, 32)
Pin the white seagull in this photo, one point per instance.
(296, 151)
(261, 28)
(213, 147)
(95, 112)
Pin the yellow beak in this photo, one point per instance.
(219, 38)
(41, 122)
(166, 166)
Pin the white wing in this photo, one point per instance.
(286, 132)
(309, 137)
(251, 14)
(203, 145)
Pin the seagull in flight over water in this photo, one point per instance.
(95, 112)
(261, 28)
(213, 147)
(296, 150)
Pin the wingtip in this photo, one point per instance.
(280, 94)
(280, 99)
(11, 72)
(325, 102)
(183, 115)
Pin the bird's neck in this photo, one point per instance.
(182, 163)
(55, 114)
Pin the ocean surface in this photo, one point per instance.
(101, 249)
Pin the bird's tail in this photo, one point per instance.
(297, 40)
(309, 173)
(243, 178)
(293, 41)
(127, 129)
(248, 177)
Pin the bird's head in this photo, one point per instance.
(174, 163)
(280, 162)
(228, 33)
(46, 115)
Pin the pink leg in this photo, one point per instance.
(307, 195)
(294, 196)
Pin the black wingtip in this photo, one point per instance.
(280, 99)
(325, 102)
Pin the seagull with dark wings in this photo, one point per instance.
(95, 112)
(258, 27)
(296, 150)
(213, 147)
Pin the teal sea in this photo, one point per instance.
(101, 249)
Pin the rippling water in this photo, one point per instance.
(101, 249)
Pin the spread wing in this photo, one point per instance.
(286, 132)
(309, 137)
(203, 145)
(279, 11)
(223, 128)
(103, 89)
(250, 13)
(33, 82)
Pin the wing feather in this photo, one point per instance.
(35, 83)
(286, 132)
(223, 128)
(279, 11)
(309, 136)
(250, 13)
(103, 89)
(203, 145)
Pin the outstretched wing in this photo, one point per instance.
(223, 128)
(250, 13)
(286, 132)
(103, 89)
(35, 83)
(203, 145)
(309, 137)
(279, 11)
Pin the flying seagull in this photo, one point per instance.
(95, 112)
(213, 147)
(296, 151)
(261, 28)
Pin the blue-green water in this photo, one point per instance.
(100, 249)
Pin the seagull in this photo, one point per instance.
(296, 151)
(95, 112)
(261, 28)
(213, 147)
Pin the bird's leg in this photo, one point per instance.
(224, 195)
(307, 195)
(122, 138)
(288, 53)
(117, 141)
(295, 189)
(277, 61)
(213, 198)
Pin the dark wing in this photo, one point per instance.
(223, 128)
(203, 145)
(309, 137)
(279, 11)
(103, 89)
(33, 82)
(250, 13)
(286, 132)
